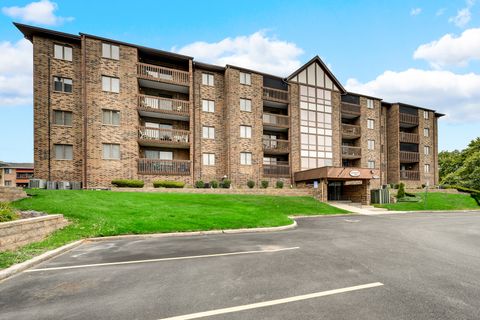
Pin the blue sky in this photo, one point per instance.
(419, 52)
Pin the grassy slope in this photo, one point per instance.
(104, 213)
(436, 201)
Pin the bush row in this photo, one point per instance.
(130, 183)
(225, 184)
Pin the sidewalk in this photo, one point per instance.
(361, 209)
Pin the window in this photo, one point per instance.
(370, 124)
(369, 103)
(208, 132)
(246, 158)
(208, 105)
(8, 183)
(62, 118)
(371, 164)
(427, 150)
(427, 168)
(160, 155)
(245, 132)
(426, 132)
(111, 151)
(371, 144)
(208, 159)
(63, 152)
(425, 115)
(269, 160)
(62, 84)
(110, 84)
(246, 105)
(207, 79)
(110, 51)
(8, 171)
(62, 52)
(245, 78)
(111, 117)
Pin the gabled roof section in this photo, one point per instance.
(325, 69)
(30, 31)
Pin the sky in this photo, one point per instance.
(424, 53)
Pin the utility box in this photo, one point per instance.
(51, 185)
(36, 184)
(75, 185)
(63, 185)
(380, 196)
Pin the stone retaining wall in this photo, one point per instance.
(8, 194)
(255, 191)
(15, 234)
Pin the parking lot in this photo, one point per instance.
(394, 266)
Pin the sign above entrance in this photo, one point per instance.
(354, 173)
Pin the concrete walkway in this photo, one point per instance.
(359, 208)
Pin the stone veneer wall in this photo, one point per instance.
(393, 144)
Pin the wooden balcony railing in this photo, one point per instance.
(409, 175)
(164, 167)
(351, 152)
(280, 169)
(275, 95)
(276, 145)
(408, 118)
(351, 130)
(163, 74)
(158, 104)
(407, 156)
(169, 136)
(408, 137)
(353, 109)
(276, 120)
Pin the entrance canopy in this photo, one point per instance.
(335, 173)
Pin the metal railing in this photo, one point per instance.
(408, 118)
(409, 175)
(173, 136)
(408, 137)
(163, 74)
(158, 104)
(351, 130)
(167, 167)
(275, 95)
(348, 151)
(276, 145)
(407, 156)
(276, 120)
(279, 169)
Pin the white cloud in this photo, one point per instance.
(457, 95)
(463, 15)
(41, 12)
(440, 12)
(451, 50)
(415, 11)
(256, 51)
(15, 73)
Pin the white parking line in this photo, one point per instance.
(162, 259)
(273, 302)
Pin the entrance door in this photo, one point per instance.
(335, 190)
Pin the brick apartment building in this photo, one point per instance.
(105, 109)
(15, 174)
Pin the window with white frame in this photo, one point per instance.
(208, 106)
(110, 51)
(245, 105)
(110, 84)
(111, 151)
(111, 117)
(245, 132)
(245, 78)
(207, 79)
(63, 151)
(208, 159)
(425, 115)
(426, 149)
(208, 132)
(426, 132)
(62, 84)
(246, 158)
(62, 52)
(8, 171)
(370, 124)
(371, 144)
(371, 164)
(369, 103)
(8, 183)
(159, 155)
(62, 118)
(426, 168)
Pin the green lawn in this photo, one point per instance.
(106, 213)
(435, 201)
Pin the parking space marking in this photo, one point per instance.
(273, 302)
(163, 259)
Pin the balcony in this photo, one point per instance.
(408, 119)
(280, 169)
(275, 122)
(164, 167)
(349, 152)
(163, 78)
(171, 138)
(351, 131)
(408, 157)
(276, 146)
(275, 95)
(409, 175)
(408, 137)
(157, 107)
(350, 110)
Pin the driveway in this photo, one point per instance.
(395, 266)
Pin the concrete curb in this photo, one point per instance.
(326, 215)
(19, 267)
(434, 211)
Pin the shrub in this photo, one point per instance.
(279, 184)
(214, 184)
(7, 213)
(264, 184)
(423, 185)
(199, 184)
(128, 183)
(401, 191)
(395, 186)
(476, 196)
(251, 184)
(168, 184)
(225, 184)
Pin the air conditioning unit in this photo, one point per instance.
(51, 185)
(76, 185)
(37, 184)
(63, 185)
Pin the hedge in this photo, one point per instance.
(475, 194)
(168, 184)
(126, 183)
